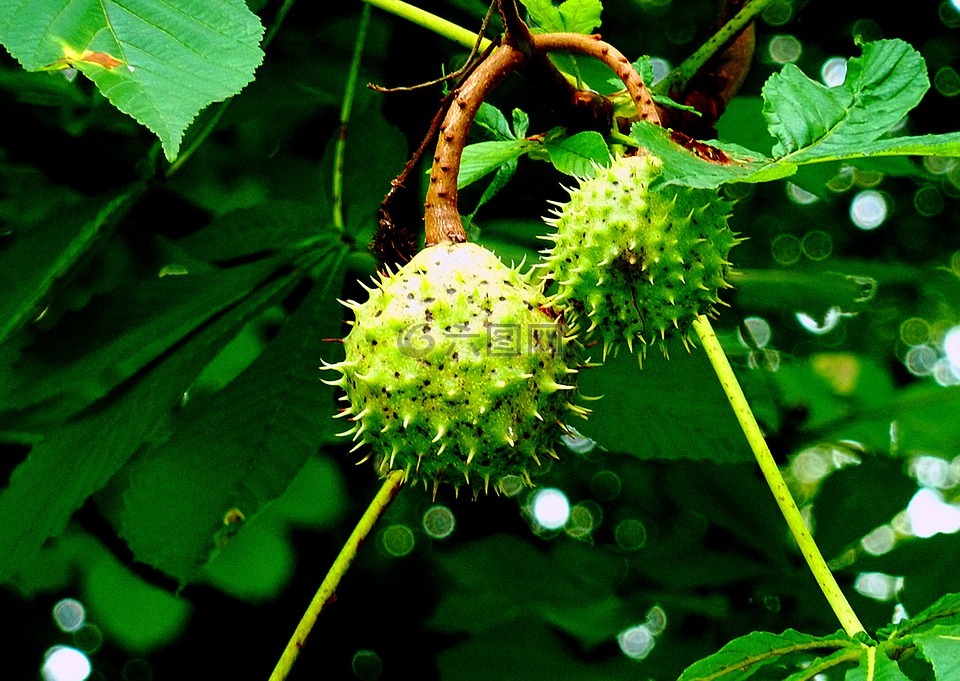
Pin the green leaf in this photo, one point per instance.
(503, 176)
(576, 155)
(491, 119)
(159, 62)
(944, 612)
(521, 123)
(670, 409)
(484, 157)
(682, 166)
(239, 449)
(78, 459)
(812, 121)
(261, 230)
(740, 658)
(940, 645)
(544, 14)
(875, 666)
(580, 16)
(118, 334)
(52, 248)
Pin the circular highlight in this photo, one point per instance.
(868, 210)
(551, 508)
(69, 614)
(398, 540)
(438, 522)
(63, 663)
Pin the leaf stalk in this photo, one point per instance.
(778, 486)
(381, 502)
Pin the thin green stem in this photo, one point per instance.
(431, 22)
(768, 466)
(692, 64)
(214, 120)
(381, 502)
(345, 109)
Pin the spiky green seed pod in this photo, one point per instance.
(638, 263)
(453, 372)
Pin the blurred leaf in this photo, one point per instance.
(138, 616)
(578, 597)
(524, 649)
(118, 334)
(669, 409)
(812, 121)
(742, 657)
(578, 154)
(78, 459)
(259, 230)
(160, 63)
(544, 14)
(45, 252)
(237, 450)
(855, 500)
(929, 570)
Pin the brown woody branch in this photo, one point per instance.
(442, 215)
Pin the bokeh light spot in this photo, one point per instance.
(798, 194)
(947, 81)
(784, 49)
(367, 665)
(829, 323)
(398, 540)
(868, 210)
(834, 71)
(63, 663)
(928, 201)
(878, 585)
(930, 515)
(786, 249)
(438, 522)
(817, 245)
(951, 346)
(69, 614)
(656, 620)
(915, 331)
(551, 508)
(636, 642)
(758, 329)
(606, 485)
(630, 534)
(879, 541)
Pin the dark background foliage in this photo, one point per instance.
(496, 599)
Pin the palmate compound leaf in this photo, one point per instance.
(815, 124)
(159, 62)
(241, 448)
(742, 657)
(79, 458)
